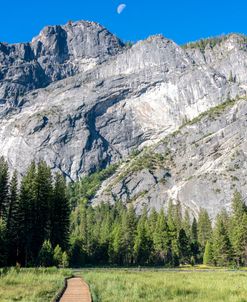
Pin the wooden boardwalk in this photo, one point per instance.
(76, 291)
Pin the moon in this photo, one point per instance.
(120, 8)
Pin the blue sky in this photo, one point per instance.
(181, 21)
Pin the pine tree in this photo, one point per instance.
(173, 236)
(161, 240)
(77, 253)
(142, 245)
(57, 256)
(195, 249)
(101, 233)
(177, 216)
(129, 232)
(184, 247)
(208, 257)
(116, 245)
(221, 243)
(194, 232)
(60, 214)
(238, 205)
(65, 260)
(152, 221)
(13, 221)
(91, 239)
(204, 228)
(243, 240)
(239, 241)
(79, 229)
(104, 231)
(238, 228)
(3, 252)
(104, 221)
(116, 249)
(45, 257)
(25, 217)
(151, 225)
(43, 202)
(186, 224)
(3, 188)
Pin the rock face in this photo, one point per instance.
(56, 53)
(79, 98)
(200, 166)
(228, 56)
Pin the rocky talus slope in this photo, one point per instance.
(79, 98)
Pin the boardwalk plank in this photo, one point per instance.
(77, 291)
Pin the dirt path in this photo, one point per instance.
(77, 291)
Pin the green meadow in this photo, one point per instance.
(31, 285)
(128, 285)
(158, 286)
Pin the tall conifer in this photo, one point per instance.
(13, 221)
(3, 188)
(60, 214)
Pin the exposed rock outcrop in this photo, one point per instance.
(56, 53)
(79, 98)
(200, 166)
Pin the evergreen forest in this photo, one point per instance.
(46, 222)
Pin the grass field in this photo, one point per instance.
(159, 286)
(128, 285)
(31, 285)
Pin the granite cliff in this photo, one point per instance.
(79, 98)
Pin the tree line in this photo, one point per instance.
(45, 222)
(117, 235)
(34, 216)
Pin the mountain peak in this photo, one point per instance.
(80, 38)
